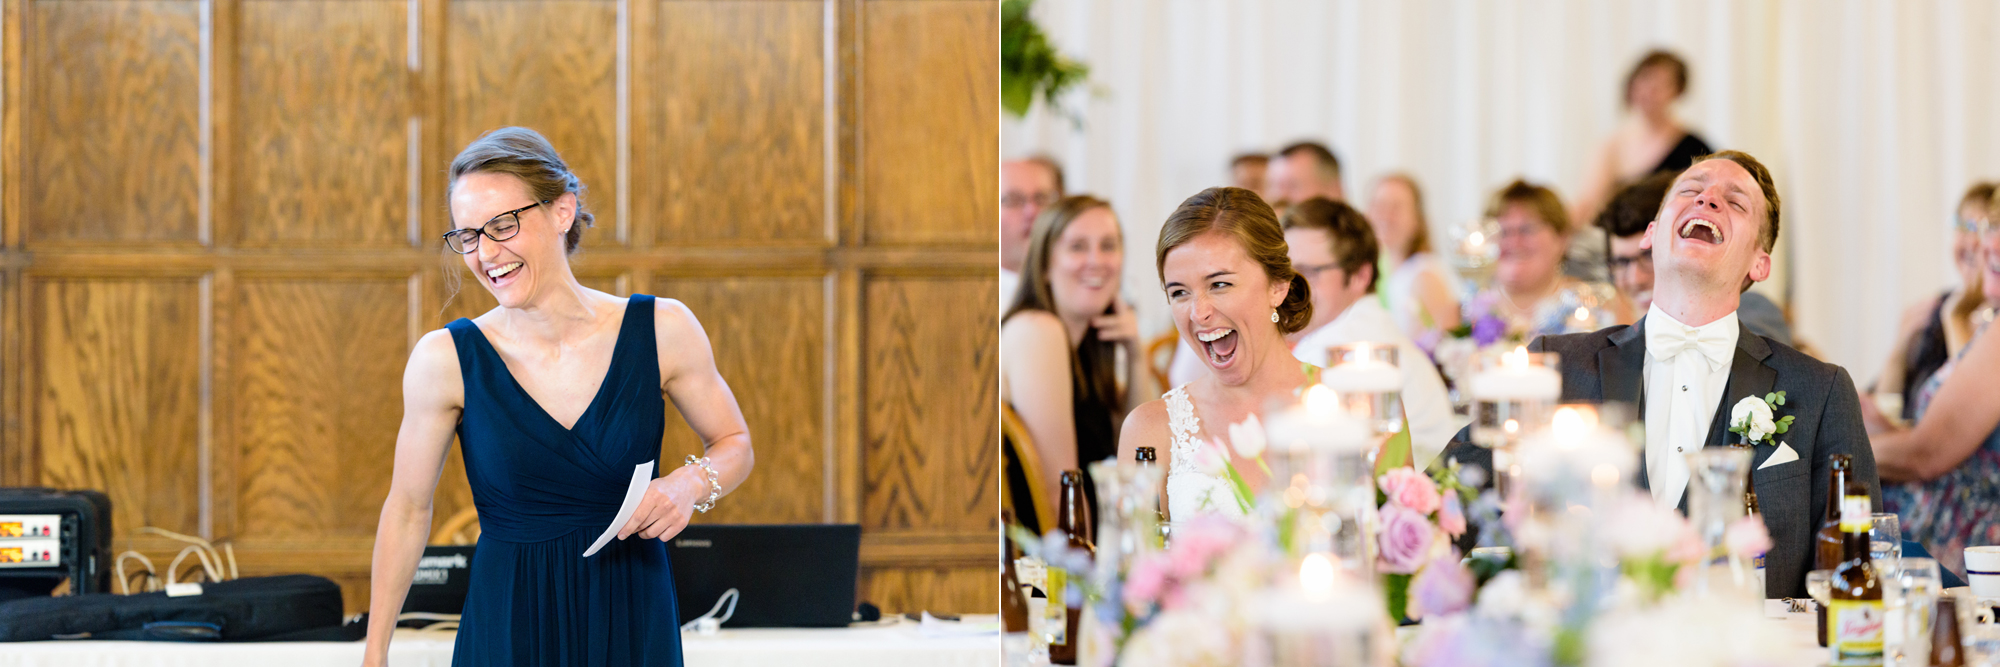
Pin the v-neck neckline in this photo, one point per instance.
(617, 346)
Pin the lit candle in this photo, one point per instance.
(1516, 380)
(1363, 376)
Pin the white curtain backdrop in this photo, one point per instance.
(1874, 117)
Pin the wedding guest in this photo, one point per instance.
(554, 397)
(1026, 187)
(1234, 297)
(1332, 246)
(1942, 473)
(1060, 338)
(1305, 170)
(1648, 140)
(1248, 171)
(1624, 222)
(1421, 290)
(1690, 361)
(1529, 290)
(1934, 330)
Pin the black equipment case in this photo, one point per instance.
(48, 536)
(291, 606)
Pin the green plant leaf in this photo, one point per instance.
(1240, 487)
(1397, 589)
(1395, 452)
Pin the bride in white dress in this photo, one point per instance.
(1234, 295)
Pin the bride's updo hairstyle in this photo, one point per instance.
(1243, 216)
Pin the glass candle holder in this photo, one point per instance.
(1513, 394)
(1369, 382)
(1321, 478)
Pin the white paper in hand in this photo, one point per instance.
(642, 475)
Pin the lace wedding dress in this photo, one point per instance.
(1196, 481)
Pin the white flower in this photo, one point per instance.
(1504, 596)
(1753, 415)
(1186, 637)
(1248, 436)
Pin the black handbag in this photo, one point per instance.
(250, 609)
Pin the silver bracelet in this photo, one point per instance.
(714, 483)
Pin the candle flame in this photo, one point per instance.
(1511, 427)
(1604, 474)
(1476, 239)
(1516, 359)
(1316, 576)
(1567, 423)
(1582, 313)
(1320, 399)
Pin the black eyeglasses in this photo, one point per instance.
(500, 228)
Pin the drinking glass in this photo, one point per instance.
(1885, 542)
(1819, 585)
(1909, 597)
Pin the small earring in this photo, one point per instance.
(1274, 317)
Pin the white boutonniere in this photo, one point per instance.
(1753, 418)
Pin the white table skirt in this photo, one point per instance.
(869, 646)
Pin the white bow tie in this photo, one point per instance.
(1667, 340)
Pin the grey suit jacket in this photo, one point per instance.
(1609, 365)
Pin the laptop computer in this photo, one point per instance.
(786, 576)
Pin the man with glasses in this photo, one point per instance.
(1624, 223)
(1333, 246)
(1026, 187)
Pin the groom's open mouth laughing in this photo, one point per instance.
(1219, 344)
(1698, 229)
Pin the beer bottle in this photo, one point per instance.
(1074, 523)
(1147, 457)
(1827, 543)
(1946, 651)
(1855, 614)
(1013, 605)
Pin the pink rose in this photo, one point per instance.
(1411, 489)
(1747, 537)
(1444, 587)
(1451, 514)
(1145, 583)
(1405, 539)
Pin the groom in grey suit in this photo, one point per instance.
(1689, 360)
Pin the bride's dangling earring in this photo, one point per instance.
(1274, 317)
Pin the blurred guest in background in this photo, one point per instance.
(1941, 475)
(1934, 330)
(1625, 220)
(1649, 140)
(1247, 171)
(1305, 170)
(1332, 246)
(1529, 290)
(1421, 291)
(1026, 187)
(1060, 337)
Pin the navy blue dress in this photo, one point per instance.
(544, 493)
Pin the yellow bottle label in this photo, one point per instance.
(1855, 514)
(1057, 628)
(1854, 631)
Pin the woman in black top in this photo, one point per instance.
(1649, 140)
(1059, 341)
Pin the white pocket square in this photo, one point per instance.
(1783, 455)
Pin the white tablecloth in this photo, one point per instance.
(862, 646)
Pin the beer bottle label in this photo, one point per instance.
(1058, 614)
(1854, 631)
(1855, 514)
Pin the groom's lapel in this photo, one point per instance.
(1748, 376)
(1622, 370)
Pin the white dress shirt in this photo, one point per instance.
(1687, 369)
(1425, 402)
(1009, 282)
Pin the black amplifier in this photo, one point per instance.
(48, 536)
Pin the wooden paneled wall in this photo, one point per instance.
(218, 241)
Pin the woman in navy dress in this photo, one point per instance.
(555, 396)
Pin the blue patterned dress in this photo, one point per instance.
(1955, 511)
